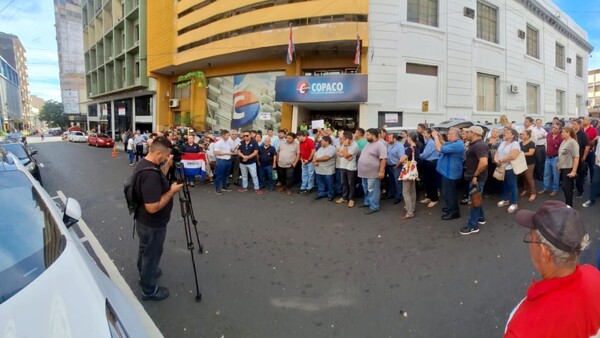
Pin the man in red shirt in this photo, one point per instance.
(307, 151)
(566, 302)
(592, 134)
(551, 175)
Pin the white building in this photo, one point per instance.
(474, 59)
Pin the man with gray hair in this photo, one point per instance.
(566, 302)
(450, 166)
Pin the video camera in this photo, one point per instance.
(176, 151)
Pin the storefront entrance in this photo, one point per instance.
(338, 119)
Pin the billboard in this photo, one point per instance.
(327, 88)
(244, 101)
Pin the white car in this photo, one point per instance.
(49, 284)
(77, 136)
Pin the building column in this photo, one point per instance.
(294, 118)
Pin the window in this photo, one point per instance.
(487, 22)
(532, 42)
(487, 93)
(92, 110)
(136, 33)
(579, 66)
(560, 102)
(560, 56)
(532, 99)
(136, 70)
(578, 102)
(181, 93)
(143, 105)
(423, 11)
(415, 68)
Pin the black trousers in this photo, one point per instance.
(139, 151)
(450, 195)
(580, 179)
(430, 179)
(567, 185)
(149, 253)
(540, 161)
(286, 175)
(348, 184)
(235, 169)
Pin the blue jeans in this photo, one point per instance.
(337, 182)
(551, 174)
(509, 187)
(372, 188)
(476, 214)
(394, 187)
(222, 173)
(245, 168)
(149, 253)
(131, 155)
(450, 195)
(325, 185)
(266, 175)
(308, 176)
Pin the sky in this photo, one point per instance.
(33, 22)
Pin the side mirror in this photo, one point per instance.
(72, 212)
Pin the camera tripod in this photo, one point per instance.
(187, 213)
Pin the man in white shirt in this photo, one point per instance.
(223, 152)
(234, 142)
(540, 149)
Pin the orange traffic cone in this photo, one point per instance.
(114, 152)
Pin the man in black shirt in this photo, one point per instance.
(584, 149)
(267, 161)
(155, 202)
(476, 161)
(247, 153)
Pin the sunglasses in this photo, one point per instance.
(246, 135)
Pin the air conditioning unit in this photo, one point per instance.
(173, 103)
(514, 89)
(469, 12)
(568, 60)
(521, 34)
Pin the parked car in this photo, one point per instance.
(47, 277)
(54, 131)
(100, 140)
(16, 137)
(77, 136)
(26, 158)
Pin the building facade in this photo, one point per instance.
(594, 92)
(10, 97)
(36, 105)
(242, 47)
(13, 53)
(69, 40)
(474, 59)
(120, 94)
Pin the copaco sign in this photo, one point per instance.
(329, 88)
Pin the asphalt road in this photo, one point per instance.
(290, 266)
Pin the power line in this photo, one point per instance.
(5, 7)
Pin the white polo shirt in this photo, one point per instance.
(223, 147)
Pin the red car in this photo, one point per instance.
(100, 140)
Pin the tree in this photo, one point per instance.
(191, 77)
(53, 114)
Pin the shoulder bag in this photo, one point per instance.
(519, 164)
(409, 170)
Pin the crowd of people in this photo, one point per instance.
(366, 165)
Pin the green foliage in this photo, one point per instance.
(53, 114)
(190, 78)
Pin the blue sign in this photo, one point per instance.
(328, 88)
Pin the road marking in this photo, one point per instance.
(115, 275)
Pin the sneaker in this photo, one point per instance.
(370, 211)
(258, 192)
(302, 191)
(587, 204)
(512, 208)
(502, 204)
(341, 200)
(579, 195)
(131, 165)
(351, 204)
(554, 193)
(432, 204)
(218, 192)
(467, 231)
(159, 294)
(425, 201)
(481, 221)
(242, 190)
(226, 190)
(541, 192)
(464, 201)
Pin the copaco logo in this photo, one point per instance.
(303, 87)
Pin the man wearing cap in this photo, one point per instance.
(476, 161)
(566, 302)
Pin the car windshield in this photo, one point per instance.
(78, 133)
(17, 150)
(102, 136)
(31, 240)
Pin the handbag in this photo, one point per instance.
(409, 170)
(476, 197)
(519, 164)
(499, 173)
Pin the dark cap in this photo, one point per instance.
(557, 222)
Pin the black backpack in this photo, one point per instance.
(128, 189)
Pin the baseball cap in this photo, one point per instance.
(476, 129)
(557, 222)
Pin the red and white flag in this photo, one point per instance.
(357, 55)
(291, 48)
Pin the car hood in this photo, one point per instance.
(67, 300)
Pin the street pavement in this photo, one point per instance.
(291, 266)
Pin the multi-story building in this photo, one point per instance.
(594, 92)
(69, 39)
(10, 97)
(241, 46)
(13, 53)
(474, 59)
(114, 41)
(36, 105)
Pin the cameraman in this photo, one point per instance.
(155, 196)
